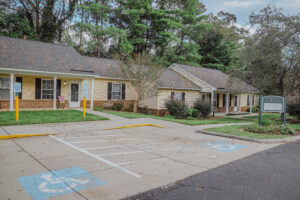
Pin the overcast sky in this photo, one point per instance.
(243, 8)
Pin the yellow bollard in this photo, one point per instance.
(84, 106)
(17, 108)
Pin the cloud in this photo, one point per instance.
(242, 4)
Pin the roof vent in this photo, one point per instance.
(81, 70)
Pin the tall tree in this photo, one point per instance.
(273, 52)
(46, 17)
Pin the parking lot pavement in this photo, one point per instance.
(83, 161)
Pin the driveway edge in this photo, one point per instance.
(281, 140)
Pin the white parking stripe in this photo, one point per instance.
(120, 153)
(142, 161)
(97, 157)
(85, 141)
(117, 146)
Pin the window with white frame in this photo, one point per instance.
(116, 91)
(4, 87)
(47, 89)
(178, 96)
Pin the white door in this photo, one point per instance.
(74, 97)
(235, 103)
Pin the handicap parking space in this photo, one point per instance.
(111, 164)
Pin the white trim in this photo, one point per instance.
(70, 94)
(11, 93)
(92, 94)
(54, 92)
(212, 87)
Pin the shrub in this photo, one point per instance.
(294, 110)
(143, 110)
(192, 112)
(254, 109)
(177, 108)
(284, 130)
(204, 109)
(117, 106)
(129, 108)
(98, 109)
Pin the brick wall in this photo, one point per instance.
(106, 103)
(24, 104)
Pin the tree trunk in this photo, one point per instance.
(135, 106)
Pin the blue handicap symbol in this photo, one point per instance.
(49, 184)
(224, 146)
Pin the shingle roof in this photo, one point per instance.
(218, 79)
(47, 57)
(39, 56)
(172, 80)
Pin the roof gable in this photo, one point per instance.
(218, 79)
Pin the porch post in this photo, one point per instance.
(92, 94)
(240, 107)
(212, 101)
(11, 93)
(250, 99)
(227, 103)
(54, 93)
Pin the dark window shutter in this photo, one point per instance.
(183, 96)
(123, 91)
(58, 88)
(172, 96)
(38, 88)
(109, 90)
(218, 100)
(230, 96)
(20, 80)
(253, 100)
(248, 100)
(224, 100)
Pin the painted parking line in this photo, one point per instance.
(142, 161)
(97, 157)
(5, 137)
(118, 146)
(50, 184)
(88, 141)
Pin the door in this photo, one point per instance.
(74, 98)
(235, 103)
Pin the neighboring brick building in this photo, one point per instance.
(48, 71)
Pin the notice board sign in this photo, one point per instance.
(273, 103)
(85, 88)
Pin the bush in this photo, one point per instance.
(283, 130)
(129, 108)
(203, 108)
(176, 108)
(117, 106)
(143, 110)
(254, 109)
(294, 110)
(192, 112)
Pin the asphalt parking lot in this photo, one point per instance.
(84, 161)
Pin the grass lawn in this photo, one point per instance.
(195, 122)
(237, 130)
(48, 116)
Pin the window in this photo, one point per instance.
(47, 89)
(178, 96)
(116, 91)
(203, 96)
(4, 87)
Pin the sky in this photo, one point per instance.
(243, 8)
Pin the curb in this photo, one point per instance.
(279, 140)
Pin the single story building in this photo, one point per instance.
(48, 72)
